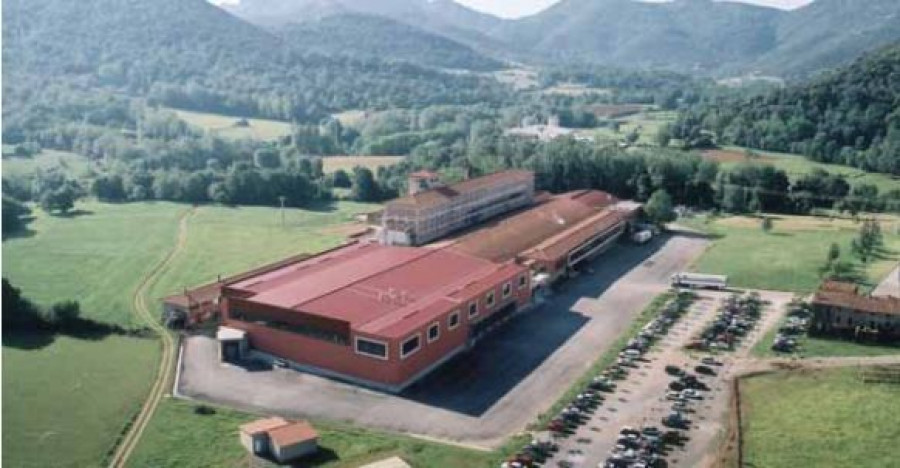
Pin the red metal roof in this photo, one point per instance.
(845, 295)
(375, 288)
(525, 230)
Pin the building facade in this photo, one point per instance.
(839, 308)
(381, 316)
(426, 215)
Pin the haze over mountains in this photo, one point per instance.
(686, 35)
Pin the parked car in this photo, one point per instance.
(674, 370)
(710, 361)
(705, 370)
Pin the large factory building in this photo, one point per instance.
(379, 315)
(383, 312)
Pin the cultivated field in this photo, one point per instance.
(178, 437)
(224, 125)
(347, 163)
(98, 256)
(756, 259)
(819, 418)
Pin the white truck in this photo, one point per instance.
(642, 237)
(697, 280)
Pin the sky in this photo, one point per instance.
(519, 8)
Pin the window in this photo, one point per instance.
(507, 290)
(453, 320)
(489, 300)
(434, 331)
(372, 348)
(410, 346)
(522, 281)
(473, 309)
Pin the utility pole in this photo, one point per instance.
(281, 199)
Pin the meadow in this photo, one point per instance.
(225, 125)
(347, 163)
(819, 418)
(796, 166)
(70, 397)
(179, 437)
(70, 163)
(789, 257)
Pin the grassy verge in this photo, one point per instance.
(789, 257)
(607, 358)
(178, 437)
(819, 418)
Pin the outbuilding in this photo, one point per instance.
(279, 439)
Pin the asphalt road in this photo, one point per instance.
(483, 396)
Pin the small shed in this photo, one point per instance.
(279, 439)
(232, 344)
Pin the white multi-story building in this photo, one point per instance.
(432, 210)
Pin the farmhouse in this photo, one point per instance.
(839, 308)
(374, 314)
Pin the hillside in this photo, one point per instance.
(443, 17)
(850, 116)
(74, 57)
(369, 36)
(828, 33)
(695, 34)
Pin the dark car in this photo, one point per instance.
(705, 370)
(675, 370)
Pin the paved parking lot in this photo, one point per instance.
(483, 396)
(639, 400)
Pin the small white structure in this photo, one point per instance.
(279, 439)
(232, 344)
(697, 280)
(642, 237)
(393, 462)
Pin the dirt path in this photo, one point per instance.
(139, 303)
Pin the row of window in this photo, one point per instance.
(379, 349)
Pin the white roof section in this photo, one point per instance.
(230, 334)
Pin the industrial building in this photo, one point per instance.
(382, 313)
(432, 210)
(839, 308)
(556, 235)
(378, 315)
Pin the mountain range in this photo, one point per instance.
(703, 36)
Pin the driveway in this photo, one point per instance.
(483, 396)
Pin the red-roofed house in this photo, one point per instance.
(379, 315)
(279, 438)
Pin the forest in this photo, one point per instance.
(849, 116)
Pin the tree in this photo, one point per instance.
(365, 188)
(12, 211)
(767, 224)
(61, 200)
(19, 313)
(834, 252)
(663, 135)
(659, 208)
(341, 179)
(267, 158)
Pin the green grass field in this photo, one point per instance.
(347, 163)
(789, 257)
(69, 398)
(64, 403)
(224, 125)
(796, 166)
(825, 418)
(177, 437)
(70, 163)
